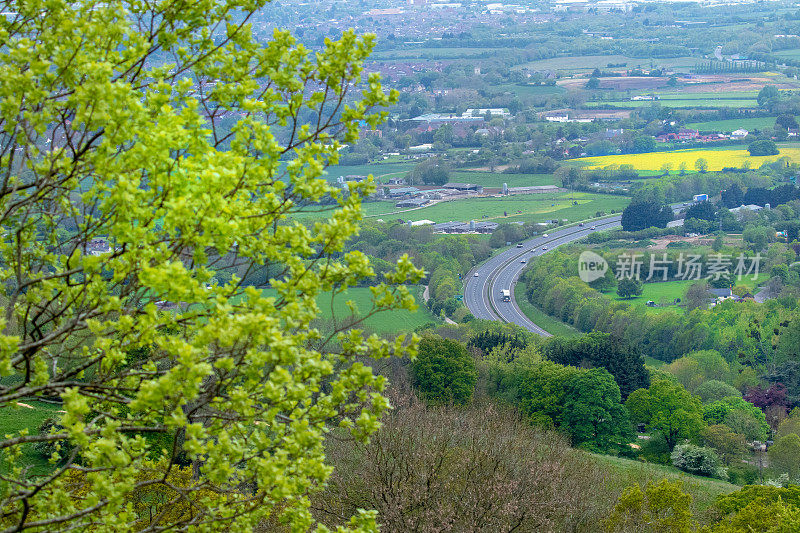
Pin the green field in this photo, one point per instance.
(704, 103)
(399, 321)
(661, 292)
(793, 53)
(519, 208)
(395, 321)
(531, 90)
(666, 292)
(540, 318)
(29, 414)
(496, 179)
(727, 126)
(677, 94)
(584, 63)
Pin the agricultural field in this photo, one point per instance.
(589, 63)
(28, 414)
(519, 208)
(717, 159)
(398, 321)
(699, 103)
(496, 179)
(727, 126)
(793, 53)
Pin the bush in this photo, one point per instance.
(698, 460)
(742, 474)
(655, 450)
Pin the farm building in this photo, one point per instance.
(412, 202)
(463, 187)
(466, 227)
(403, 191)
(739, 211)
(534, 189)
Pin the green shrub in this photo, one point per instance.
(698, 460)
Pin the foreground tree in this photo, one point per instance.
(133, 218)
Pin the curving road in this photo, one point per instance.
(483, 293)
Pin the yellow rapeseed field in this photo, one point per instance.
(717, 159)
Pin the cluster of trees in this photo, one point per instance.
(533, 165)
(763, 147)
(553, 284)
(664, 506)
(474, 468)
(573, 387)
(677, 188)
(594, 388)
(639, 215)
(734, 196)
(432, 171)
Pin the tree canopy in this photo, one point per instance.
(138, 216)
(668, 408)
(763, 147)
(597, 349)
(444, 371)
(641, 215)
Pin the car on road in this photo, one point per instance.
(580, 224)
(476, 274)
(519, 245)
(545, 236)
(523, 261)
(593, 227)
(533, 250)
(544, 247)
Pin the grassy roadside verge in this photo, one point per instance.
(538, 317)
